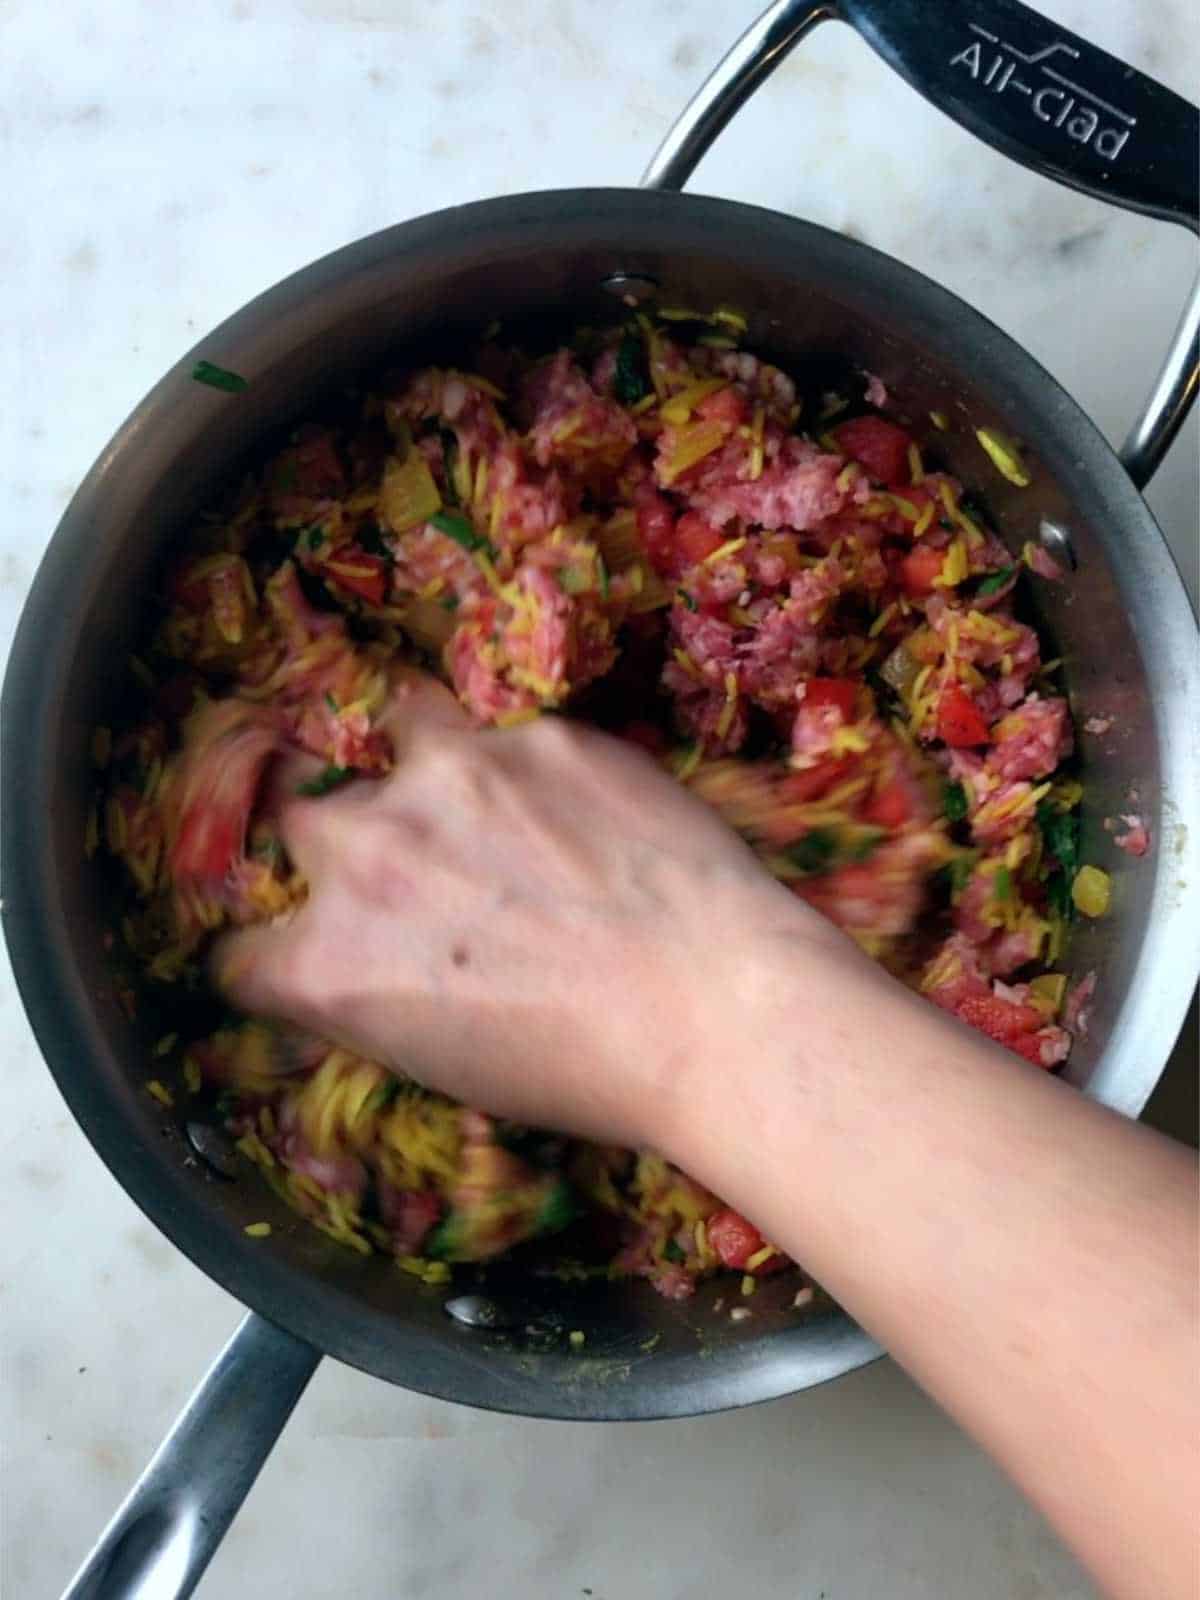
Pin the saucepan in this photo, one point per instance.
(1121, 621)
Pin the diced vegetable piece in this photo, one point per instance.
(959, 721)
(696, 539)
(408, 495)
(1091, 891)
(995, 581)
(219, 378)
(733, 1239)
(630, 383)
(329, 778)
(838, 692)
(900, 669)
(954, 801)
(361, 574)
(881, 446)
(1048, 990)
(691, 444)
(1005, 456)
(920, 569)
(459, 528)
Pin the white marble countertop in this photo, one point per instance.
(165, 162)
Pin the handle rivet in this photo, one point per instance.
(634, 288)
(1056, 542)
(213, 1147)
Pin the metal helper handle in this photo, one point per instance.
(1032, 90)
(164, 1535)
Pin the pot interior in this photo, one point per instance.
(815, 303)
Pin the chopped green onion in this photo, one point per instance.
(1002, 885)
(449, 603)
(995, 581)
(558, 1209)
(629, 379)
(314, 537)
(383, 1096)
(814, 852)
(687, 599)
(219, 378)
(602, 575)
(331, 702)
(954, 801)
(330, 777)
(672, 1252)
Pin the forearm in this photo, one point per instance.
(1027, 1255)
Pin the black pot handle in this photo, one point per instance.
(1033, 90)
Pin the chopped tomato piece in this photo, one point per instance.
(839, 692)
(656, 528)
(735, 1241)
(881, 446)
(361, 574)
(695, 539)
(959, 720)
(806, 783)
(725, 405)
(919, 568)
(889, 807)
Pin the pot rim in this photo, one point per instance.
(60, 1010)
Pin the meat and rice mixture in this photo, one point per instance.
(775, 595)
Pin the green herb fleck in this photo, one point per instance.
(672, 1252)
(815, 851)
(383, 1096)
(459, 528)
(314, 537)
(954, 801)
(602, 576)
(1002, 885)
(1058, 896)
(995, 581)
(449, 603)
(219, 378)
(331, 702)
(558, 1209)
(1060, 832)
(630, 383)
(328, 778)
(686, 599)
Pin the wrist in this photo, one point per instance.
(756, 1010)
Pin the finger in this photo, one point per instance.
(259, 968)
(418, 703)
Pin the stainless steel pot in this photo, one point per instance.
(1122, 624)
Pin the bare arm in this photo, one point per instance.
(513, 916)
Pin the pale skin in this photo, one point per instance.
(543, 924)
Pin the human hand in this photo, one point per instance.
(537, 921)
